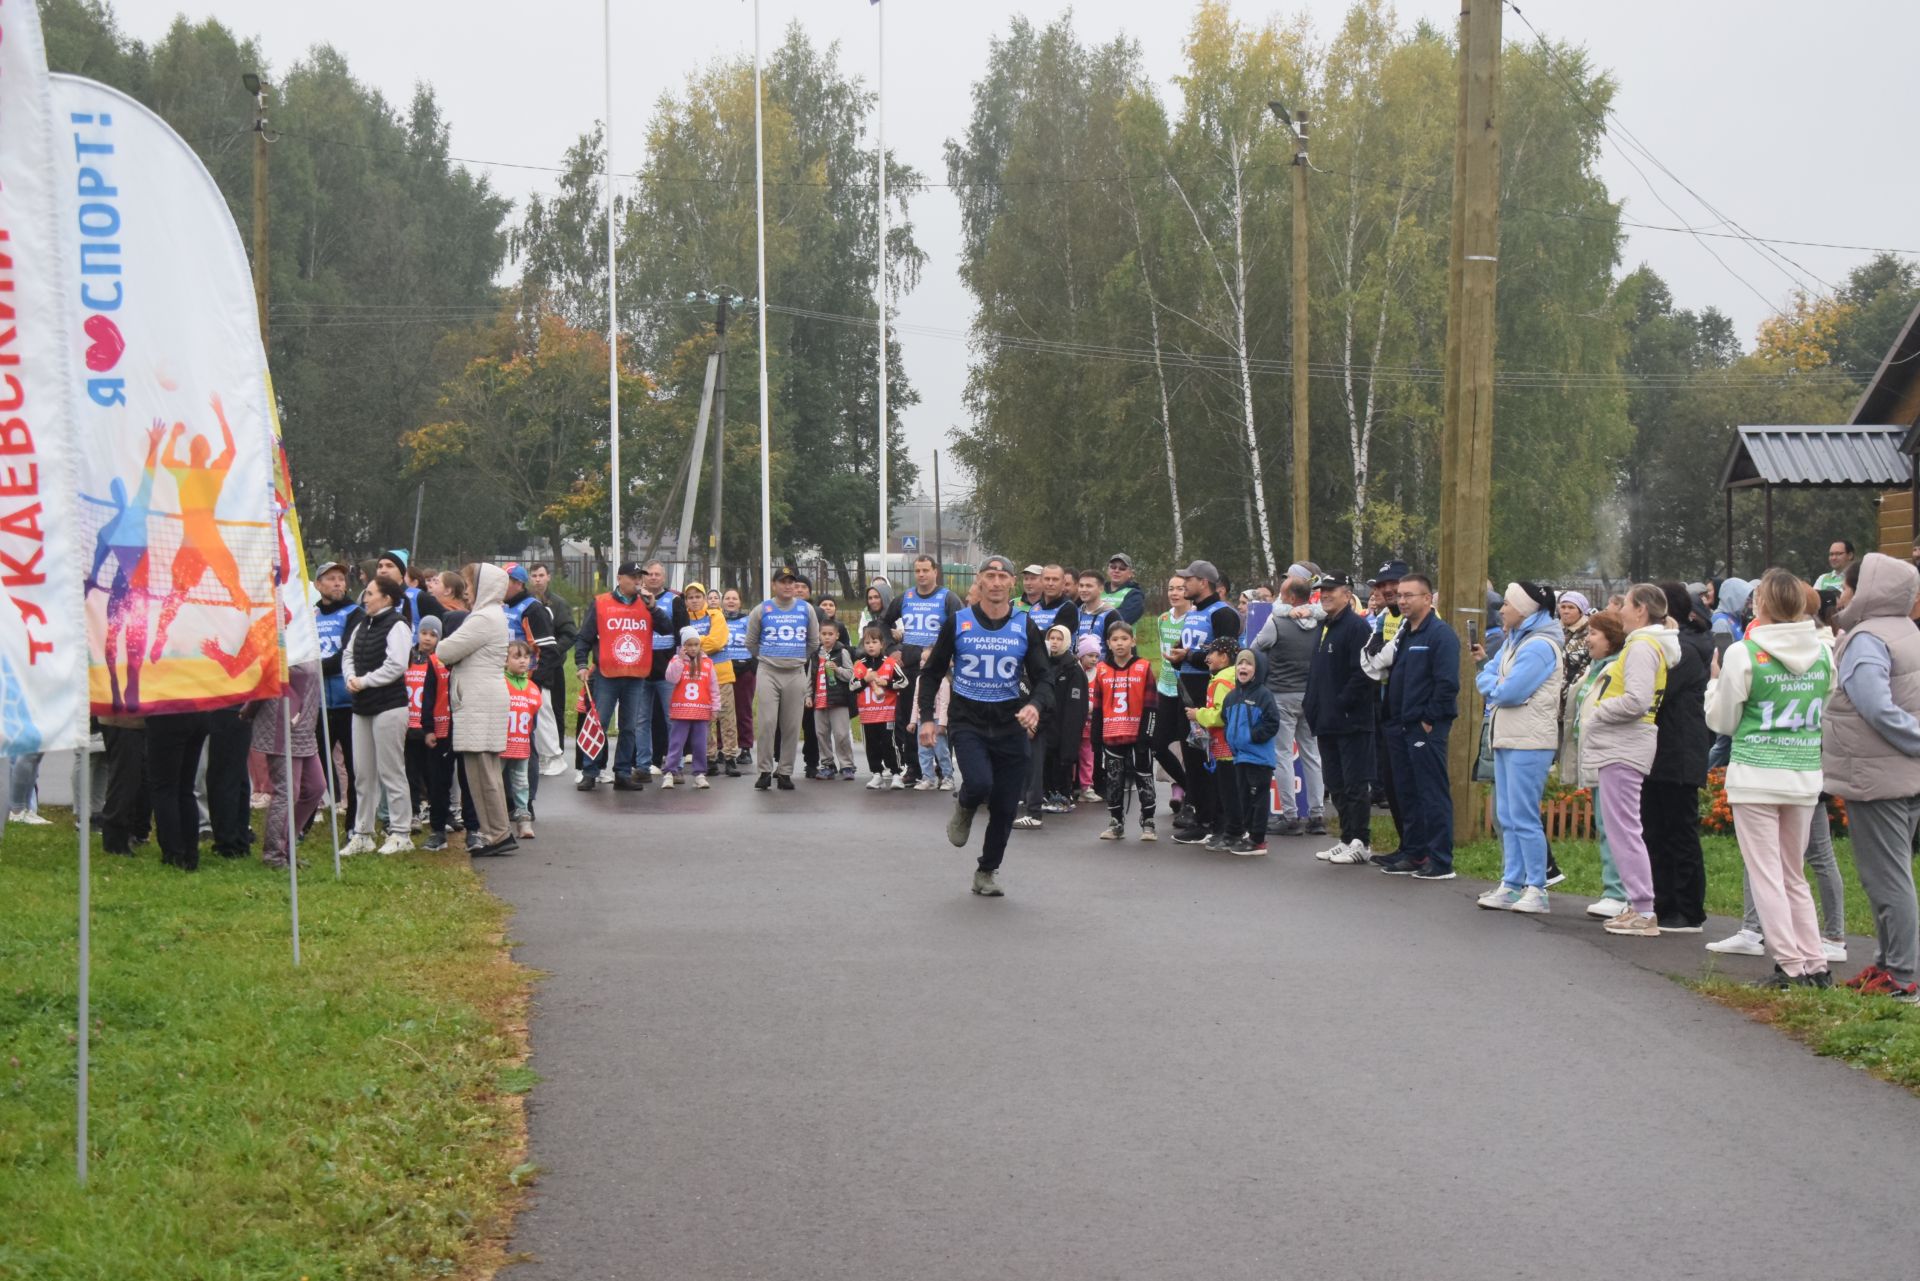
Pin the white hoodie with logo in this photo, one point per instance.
(1795, 646)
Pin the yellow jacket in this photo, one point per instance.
(714, 641)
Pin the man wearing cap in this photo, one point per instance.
(1124, 594)
(783, 634)
(1029, 587)
(332, 617)
(999, 688)
(654, 589)
(1339, 707)
(1208, 619)
(616, 638)
(1384, 621)
(1422, 701)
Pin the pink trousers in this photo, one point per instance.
(1773, 843)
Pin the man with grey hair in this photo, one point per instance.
(1288, 639)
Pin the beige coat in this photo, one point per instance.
(1858, 763)
(476, 657)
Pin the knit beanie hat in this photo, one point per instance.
(430, 625)
(1086, 647)
(1527, 598)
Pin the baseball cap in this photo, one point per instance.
(1000, 563)
(1391, 572)
(328, 568)
(518, 573)
(1120, 558)
(786, 574)
(1032, 569)
(632, 569)
(1336, 580)
(1202, 569)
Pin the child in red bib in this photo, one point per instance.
(430, 759)
(523, 705)
(693, 685)
(879, 679)
(1124, 700)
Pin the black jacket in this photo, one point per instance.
(989, 718)
(1068, 719)
(1680, 755)
(1339, 695)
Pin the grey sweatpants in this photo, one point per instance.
(1883, 855)
(833, 726)
(380, 768)
(1824, 872)
(783, 697)
(1294, 731)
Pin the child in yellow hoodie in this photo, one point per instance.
(1212, 718)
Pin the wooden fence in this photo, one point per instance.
(1568, 817)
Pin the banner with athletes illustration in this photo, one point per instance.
(42, 643)
(176, 453)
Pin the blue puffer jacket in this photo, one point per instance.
(1251, 717)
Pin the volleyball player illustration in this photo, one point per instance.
(198, 480)
(124, 537)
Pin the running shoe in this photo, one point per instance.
(1352, 854)
(1027, 823)
(763, 783)
(877, 782)
(1430, 871)
(946, 785)
(1533, 901)
(1191, 836)
(1112, 831)
(1606, 909)
(1633, 925)
(1500, 898)
(700, 781)
(985, 886)
(960, 825)
(1739, 943)
(668, 780)
(1835, 950)
(28, 818)
(847, 774)
(1146, 830)
(358, 845)
(397, 843)
(1090, 796)
(783, 781)
(926, 785)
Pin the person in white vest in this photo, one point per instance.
(1870, 755)
(1522, 689)
(1772, 686)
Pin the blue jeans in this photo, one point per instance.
(993, 769)
(23, 782)
(1519, 780)
(939, 756)
(629, 701)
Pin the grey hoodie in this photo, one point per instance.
(1876, 686)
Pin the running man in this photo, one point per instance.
(999, 688)
(124, 538)
(198, 480)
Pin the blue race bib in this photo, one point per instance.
(783, 632)
(921, 616)
(987, 663)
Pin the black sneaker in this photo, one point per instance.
(586, 782)
(1402, 866)
(1672, 923)
(1289, 827)
(1316, 826)
(733, 768)
(473, 842)
(628, 782)
(1554, 874)
(1819, 978)
(1381, 860)
(1428, 871)
(763, 783)
(436, 840)
(499, 849)
(1191, 836)
(783, 781)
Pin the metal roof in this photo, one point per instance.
(1816, 457)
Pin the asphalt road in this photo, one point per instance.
(778, 1038)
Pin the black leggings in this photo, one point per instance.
(1126, 763)
(882, 756)
(1169, 728)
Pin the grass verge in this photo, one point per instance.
(1869, 1032)
(359, 1116)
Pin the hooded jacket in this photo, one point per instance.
(1870, 737)
(476, 659)
(1211, 715)
(1623, 729)
(1250, 716)
(1728, 615)
(1522, 686)
(1795, 646)
(1287, 644)
(1680, 754)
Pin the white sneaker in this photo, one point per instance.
(925, 785)
(1834, 950)
(1500, 898)
(397, 843)
(578, 775)
(654, 770)
(666, 780)
(1740, 943)
(358, 845)
(29, 818)
(1326, 855)
(1532, 901)
(900, 782)
(1606, 909)
(946, 785)
(700, 780)
(1351, 854)
(1088, 795)
(877, 782)
(258, 801)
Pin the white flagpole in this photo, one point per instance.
(293, 787)
(880, 168)
(83, 808)
(760, 250)
(613, 314)
(326, 759)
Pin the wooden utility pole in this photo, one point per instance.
(1466, 456)
(258, 88)
(1300, 420)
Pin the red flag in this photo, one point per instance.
(592, 738)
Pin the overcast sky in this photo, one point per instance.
(1780, 114)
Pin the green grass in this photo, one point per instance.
(356, 1117)
(1580, 860)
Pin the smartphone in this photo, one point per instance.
(1473, 633)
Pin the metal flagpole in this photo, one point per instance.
(326, 759)
(613, 315)
(880, 171)
(760, 253)
(293, 787)
(83, 807)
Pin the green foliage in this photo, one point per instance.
(344, 1119)
(380, 247)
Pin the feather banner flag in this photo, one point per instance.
(175, 446)
(43, 644)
